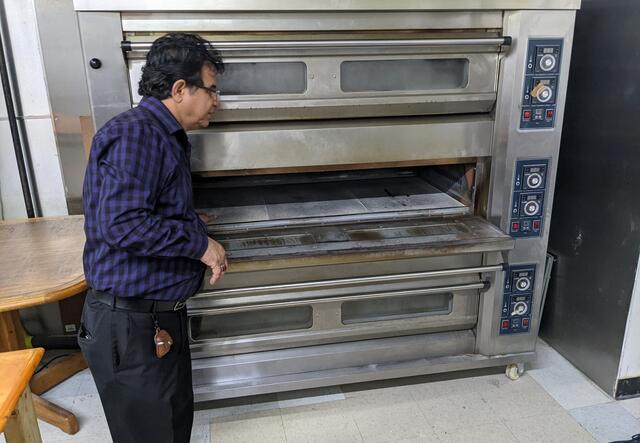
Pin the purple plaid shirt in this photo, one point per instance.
(144, 238)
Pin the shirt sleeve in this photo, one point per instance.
(132, 176)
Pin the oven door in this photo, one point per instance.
(349, 78)
(345, 283)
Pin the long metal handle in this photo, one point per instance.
(306, 44)
(359, 280)
(483, 285)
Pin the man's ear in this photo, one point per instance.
(178, 90)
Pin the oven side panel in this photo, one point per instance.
(512, 144)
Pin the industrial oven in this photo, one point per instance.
(380, 173)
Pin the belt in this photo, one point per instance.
(136, 304)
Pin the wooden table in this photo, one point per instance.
(17, 416)
(41, 262)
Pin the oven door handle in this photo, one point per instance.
(128, 46)
(480, 286)
(253, 290)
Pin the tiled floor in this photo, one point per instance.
(552, 402)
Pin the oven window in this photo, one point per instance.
(207, 327)
(263, 78)
(394, 308)
(403, 75)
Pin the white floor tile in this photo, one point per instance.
(488, 433)
(632, 405)
(448, 414)
(607, 422)
(201, 433)
(569, 387)
(93, 429)
(387, 415)
(547, 357)
(322, 423)
(519, 399)
(548, 428)
(68, 388)
(264, 427)
(86, 384)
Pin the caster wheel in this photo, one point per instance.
(514, 371)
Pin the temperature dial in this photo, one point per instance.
(548, 62)
(520, 308)
(545, 94)
(523, 284)
(531, 208)
(534, 180)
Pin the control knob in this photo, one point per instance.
(523, 283)
(542, 92)
(531, 208)
(534, 180)
(545, 94)
(520, 308)
(548, 62)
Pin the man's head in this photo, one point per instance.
(181, 70)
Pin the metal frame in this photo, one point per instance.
(349, 363)
(238, 21)
(304, 5)
(493, 140)
(512, 144)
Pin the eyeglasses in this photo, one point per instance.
(213, 91)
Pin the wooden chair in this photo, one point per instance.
(17, 414)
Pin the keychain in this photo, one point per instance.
(162, 338)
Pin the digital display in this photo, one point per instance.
(534, 169)
(547, 50)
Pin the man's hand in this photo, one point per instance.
(216, 259)
(206, 217)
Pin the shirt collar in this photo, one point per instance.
(162, 113)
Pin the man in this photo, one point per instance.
(147, 249)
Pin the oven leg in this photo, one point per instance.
(514, 371)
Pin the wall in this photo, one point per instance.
(35, 114)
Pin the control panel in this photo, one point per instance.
(517, 299)
(527, 202)
(541, 84)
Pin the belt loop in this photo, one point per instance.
(113, 303)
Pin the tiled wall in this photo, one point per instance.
(36, 111)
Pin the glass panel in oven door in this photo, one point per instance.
(260, 78)
(396, 308)
(404, 75)
(236, 324)
(244, 78)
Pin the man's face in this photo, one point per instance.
(200, 103)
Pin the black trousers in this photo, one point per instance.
(145, 398)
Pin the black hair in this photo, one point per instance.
(173, 57)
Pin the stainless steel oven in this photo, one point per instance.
(381, 176)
